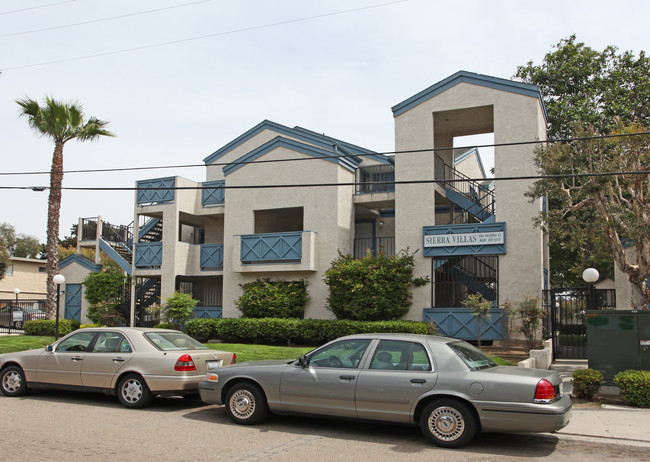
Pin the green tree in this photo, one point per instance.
(103, 291)
(19, 245)
(61, 122)
(586, 88)
(178, 308)
(4, 258)
(373, 288)
(620, 203)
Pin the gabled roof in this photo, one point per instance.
(460, 155)
(81, 260)
(299, 133)
(330, 155)
(469, 77)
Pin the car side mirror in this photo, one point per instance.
(303, 361)
(49, 348)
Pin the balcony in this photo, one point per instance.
(291, 251)
(213, 193)
(148, 255)
(211, 257)
(156, 191)
(375, 246)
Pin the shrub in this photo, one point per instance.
(480, 308)
(586, 383)
(373, 288)
(283, 331)
(530, 313)
(264, 298)
(178, 308)
(104, 287)
(47, 327)
(635, 387)
(164, 325)
(105, 314)
(86, 326)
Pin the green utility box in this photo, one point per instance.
(618, 341)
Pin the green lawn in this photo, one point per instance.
(244, 352)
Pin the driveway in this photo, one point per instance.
(71, 426)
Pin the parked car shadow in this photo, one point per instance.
(401, 439)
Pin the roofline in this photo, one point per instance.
(350, 163)
(468, 153)
(31, 260)
(497, 83)
(83, 261)
(302, 134)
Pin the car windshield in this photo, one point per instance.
(474, 358)
(170, 341)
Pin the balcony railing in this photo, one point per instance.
(156, 191)
(211, 256)
(213, 193)
(271, 248)
(375, 246)
(376, 179)
(148, 255)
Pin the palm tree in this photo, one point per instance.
(61, 122)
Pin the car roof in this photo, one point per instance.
(397, 336)
(131, 329)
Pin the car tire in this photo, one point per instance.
(133, 392)
(448, 423)
(12, 381)
(246, 404)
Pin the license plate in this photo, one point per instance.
(213, 364)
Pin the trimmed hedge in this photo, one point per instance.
(586, 383)
(310, 332)
(48, 327)
(264, 298)
(635, 387)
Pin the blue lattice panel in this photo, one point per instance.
(211, 256)
(271, 247)
(460, 323)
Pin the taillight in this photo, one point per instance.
(545, 392)
(185, 363)
(234, 359)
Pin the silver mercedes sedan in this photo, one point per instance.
(448, 387)
(133, 363)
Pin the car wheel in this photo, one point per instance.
(133, 392)
(448, 423)
(246, 404)
(13, 381)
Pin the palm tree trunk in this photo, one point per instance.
(53, 214)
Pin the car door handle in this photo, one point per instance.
(346, 377)
(77, 358)
(118, 360)
(418, 381)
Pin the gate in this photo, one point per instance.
(565, 319)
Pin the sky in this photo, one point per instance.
(178, 79)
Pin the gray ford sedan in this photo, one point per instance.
(448, 387)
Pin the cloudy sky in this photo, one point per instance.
(177, 79)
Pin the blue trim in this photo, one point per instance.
(299, 133)
(485, 249)
(281, 142)
(211, 256)
(72, 308)
(213, 192)
(476, 79)
(208, 312)
(147, 254)
(116, 257)
(271, 247)
(461, 323)
(81, 260)
(153, 191)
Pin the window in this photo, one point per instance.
(174, 341)
(77, 342)
(399, 355)
(346, 354)
(112, 342)
(10, 270)
(473, 357)
(42, 269)
(454, 278)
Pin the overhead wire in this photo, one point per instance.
(333, 156)
(35, 7)
(200, 37)
(92, 21)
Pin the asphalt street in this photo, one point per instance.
(57, 426)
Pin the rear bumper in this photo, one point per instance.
(538, 418)
(169, 383)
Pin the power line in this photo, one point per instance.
(320, 185)
(35, 7)
(333, 156)
(201, 37)
(102, 19)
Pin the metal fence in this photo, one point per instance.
(13, 314)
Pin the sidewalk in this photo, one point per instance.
(603, 423)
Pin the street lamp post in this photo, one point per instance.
(58, 280)
(590, 276)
